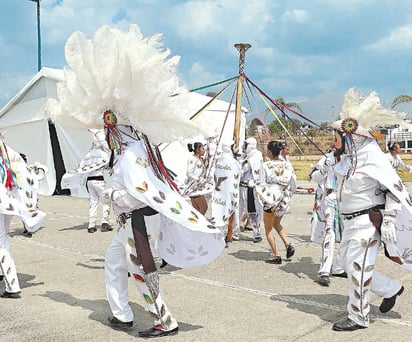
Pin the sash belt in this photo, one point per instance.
(362, 212)
(98, 178)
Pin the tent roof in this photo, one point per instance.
(28, 93)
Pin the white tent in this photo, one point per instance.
(27, 129)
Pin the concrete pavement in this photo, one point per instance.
(238, 297)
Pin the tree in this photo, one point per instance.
(403, 98)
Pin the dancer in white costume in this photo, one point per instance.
(195, 182)
(18, 197)
(393, 154)
(275, 193)
(252, 174)
(325, 223)
(90, 173)
(130, 79)
(374, 205)
(225, 196)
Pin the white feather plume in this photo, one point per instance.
(368, 111)
(131, 75)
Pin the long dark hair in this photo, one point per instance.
(275, 147)
(194, 147)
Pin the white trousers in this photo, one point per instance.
(254, 219)
(328, 246)
(120, 258)
(96, 188)
(7, 266)
(358, 250)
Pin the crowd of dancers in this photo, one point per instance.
(360, 202)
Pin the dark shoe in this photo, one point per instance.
(13, 295)
(256, 240)
(117, 324)
(1, 277)
(91, 230)
(340, 275)
(164, 263)
(324, 280)
(388, 303)
(346, 325)
(290, 251)
(106, 227)
(277, 260)
(153, 332)
(27, 234)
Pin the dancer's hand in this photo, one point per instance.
(388, 230)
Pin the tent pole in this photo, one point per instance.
(242, 48)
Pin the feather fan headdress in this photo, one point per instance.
(128, 74)
(360, 114)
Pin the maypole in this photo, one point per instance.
(242, 48)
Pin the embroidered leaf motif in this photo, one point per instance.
(191, 251)
(355, 281)
(369, 268)
(147, 299)
(354, 308)
(357, 295)
(356, 266)
(3, 259)
(179, 205)
(175, 211)
(204, 253)
(163, 310)
(157, 199)
(373, 243)
(168, 322)
(194, 215)
(192, 220)
(138, 278)
(142, 188)
(327, 244)
(130, 242)
(367, 283)
(153, 316)
(162, 195)
(200, 249)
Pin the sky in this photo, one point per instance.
(309, 52)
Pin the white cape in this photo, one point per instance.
(186, 237)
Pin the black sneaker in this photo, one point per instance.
(106, 227)
(91, 230)
(257, 239)
(388, 303)
(347, 325)
(277, 260)
(153, 332)
(13, 295)
(324, 280)
(117, 324)
(290, 251)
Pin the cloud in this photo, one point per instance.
(399, 38)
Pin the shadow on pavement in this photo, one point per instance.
(78, 227)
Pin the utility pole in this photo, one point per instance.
(242, 48)
(38, 35)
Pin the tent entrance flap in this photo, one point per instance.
(58, 161)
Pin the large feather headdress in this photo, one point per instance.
(128, 74)
(361, 114)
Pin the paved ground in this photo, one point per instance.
(239, 297)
